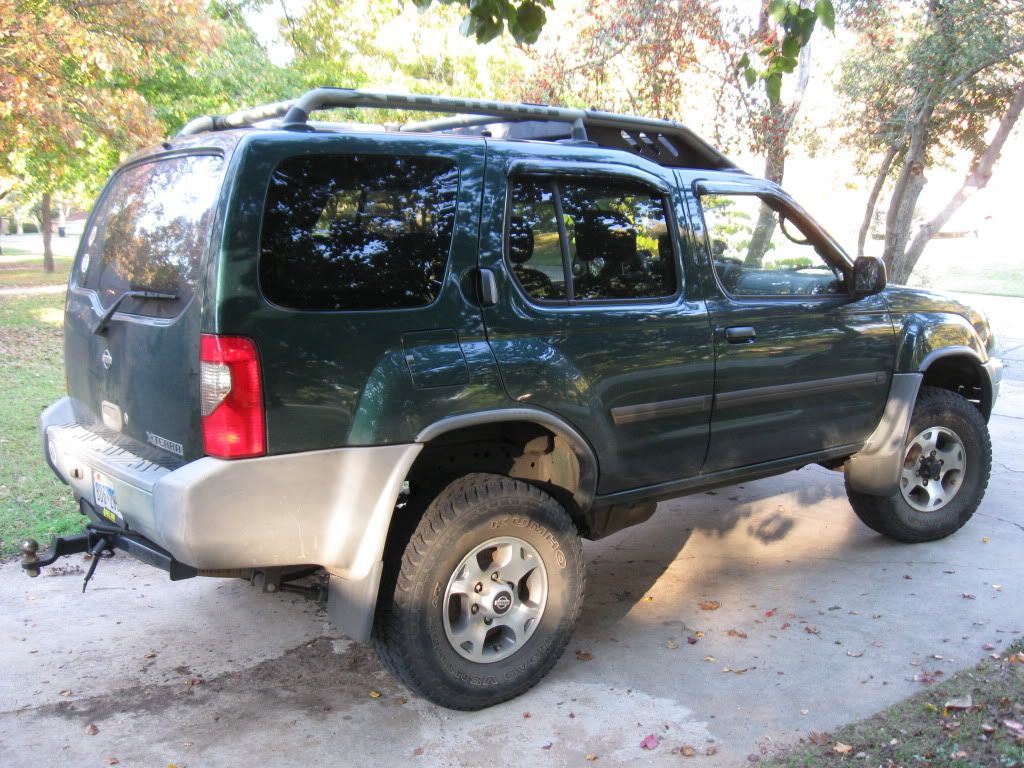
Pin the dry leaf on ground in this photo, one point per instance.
(710, 605)
(842, 749)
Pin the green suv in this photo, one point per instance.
(429, 357)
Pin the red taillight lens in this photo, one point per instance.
(232, 397)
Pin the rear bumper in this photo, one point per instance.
(330, 508)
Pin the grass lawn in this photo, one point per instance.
(32, 501)
(975, 719)
(29, 271)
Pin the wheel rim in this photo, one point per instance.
(495, 599)
(933, 469)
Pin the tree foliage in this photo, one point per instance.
(927, 80)
(69, 77)
(485, 20)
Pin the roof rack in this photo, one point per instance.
(665, 142)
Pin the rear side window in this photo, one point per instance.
(352, 232)
(590, 240)
(150, 232)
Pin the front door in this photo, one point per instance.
(800, 366)
(594, 320)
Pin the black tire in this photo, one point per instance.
(892, 516)
(409, 631)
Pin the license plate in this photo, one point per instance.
(106, 499)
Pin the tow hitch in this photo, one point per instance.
(100, 540)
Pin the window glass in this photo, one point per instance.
(534, 249)
(344, 232)
(617, 236)
(150, 232)
(757, 251)
(619, 241)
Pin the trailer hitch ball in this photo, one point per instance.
(29, 550)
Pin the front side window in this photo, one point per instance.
(355, 232)
(590, 240)
(757, 251)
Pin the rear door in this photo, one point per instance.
(596, 318)
(133, 308)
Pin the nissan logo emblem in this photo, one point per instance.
(107, 359)
(502, 602)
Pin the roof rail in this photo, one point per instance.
(663, 141)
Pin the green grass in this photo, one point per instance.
(33, 503)
(921, 731)
(22, 274)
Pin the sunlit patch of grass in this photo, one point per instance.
(33, 503)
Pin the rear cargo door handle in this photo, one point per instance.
(740, 334)
(488, 288)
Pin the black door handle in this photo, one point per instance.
(740, 334)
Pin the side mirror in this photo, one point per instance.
(869, 277)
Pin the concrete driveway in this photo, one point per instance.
(820, 622)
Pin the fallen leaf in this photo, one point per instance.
(671, 644)
(711, 750)
(812, 630)
(988, 728)
(984, 539)
(591, 758)
(988, 647)
(66, 692)
(418, 751)
(112, 761)
(736, 671)
(649, 599)
(772, 612)
(691, 640)
(737, 633)
(908, 577)
(710, 605)
(959, 755)
(526, 715)
(1017, 658)
(150, 655)
(650, 741)
(969, 596)
(549, 745)
(687, 751)
(698, 635)
(961, 702)
(929, 707)
(374, 694)
(584, 656)
(842, 749)
(997, 587)
(785, 626)
(91, 729)
(709, 658)
(804, 711)
(855, 654)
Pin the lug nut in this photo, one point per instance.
(474, 609)
(488, 621)
(479, 587)
(494, 576)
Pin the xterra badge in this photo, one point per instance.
(163, 442)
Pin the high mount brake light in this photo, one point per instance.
(231, 397)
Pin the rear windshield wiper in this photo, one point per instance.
(101, 325)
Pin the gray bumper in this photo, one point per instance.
(330, 508)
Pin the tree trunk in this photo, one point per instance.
(876, 191)
(976, 180)
(909, 183)
(46, 220)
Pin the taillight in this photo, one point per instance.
(231, 397)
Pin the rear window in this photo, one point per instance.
(150, 231)
(356, 232)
